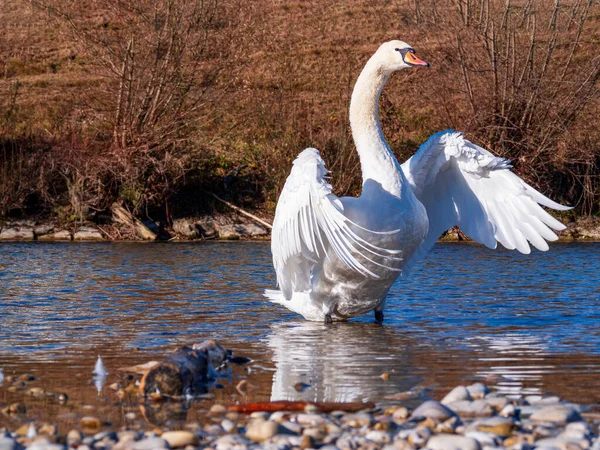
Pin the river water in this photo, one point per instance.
(521, 324)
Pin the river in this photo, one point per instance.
(523, 324)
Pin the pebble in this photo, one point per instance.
(263, 430)
(217, 409)
(312, 420)
(7, 443)
(379, 437)
(478, 391)
(151, 443)
(231, 442)
(500, 426)
(91, 423)
(318, 434)
(561, 443)
(306, 442)
(560, 414)
(468, 418)
(485, 439)
(229, 426)
(179, 439)
(475, 408)
(128, 435)
(452, 442)
(433, 409)
(456, 394)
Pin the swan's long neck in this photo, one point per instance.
(377, 160)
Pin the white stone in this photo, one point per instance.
(433, 409)
(379, 437)
(561, 443)
(260, 431)
(16, 234)
(478, 390)
(456, 394)
(61, 235)
(231, 442)
(87, 234)
(561, 414)
(484, 439)
(452, 442)
(150, 443)
(476, 408)
(313, 420)
(179, 439)
(7, 443)
(229, 426)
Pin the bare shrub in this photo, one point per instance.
(155, 66)
(528, 73)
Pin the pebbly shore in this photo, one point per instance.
(467, 418)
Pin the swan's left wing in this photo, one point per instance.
(310, 222)
(462, 184)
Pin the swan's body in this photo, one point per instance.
(337, 258)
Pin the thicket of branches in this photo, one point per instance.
(130, 135)
(165, 98)
(527, 75)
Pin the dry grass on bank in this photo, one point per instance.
(150, 105)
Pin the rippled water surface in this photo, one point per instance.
(522, 324)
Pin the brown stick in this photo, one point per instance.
(241, 211)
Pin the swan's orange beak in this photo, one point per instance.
(411, 59)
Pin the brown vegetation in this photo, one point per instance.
(154, 103)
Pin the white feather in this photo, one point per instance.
(462, 184)
(309, 221)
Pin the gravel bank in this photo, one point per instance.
(468, 417)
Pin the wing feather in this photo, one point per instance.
(310, 222)
(462, 184)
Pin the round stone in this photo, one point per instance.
(151, 443)
(478, 390)
(179, 439)
(262, 430)
(91, 423)
(452, 442)
(433, 409)
(456, 394)
(561, 414)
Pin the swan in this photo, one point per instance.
(337, 258)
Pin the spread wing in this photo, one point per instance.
(310, 222)
(462, 184)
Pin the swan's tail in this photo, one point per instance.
(300, 303)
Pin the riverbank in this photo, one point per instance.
(208, 227)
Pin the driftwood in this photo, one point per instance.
(185, 371)
(241, 211)
(124, 217)
(325, 407)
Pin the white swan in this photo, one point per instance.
(337, 258)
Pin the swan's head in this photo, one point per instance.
(397, 55)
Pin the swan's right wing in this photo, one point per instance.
(310, 222)
(460, 183)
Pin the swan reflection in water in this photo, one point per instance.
(344, 362)
(340, 363)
